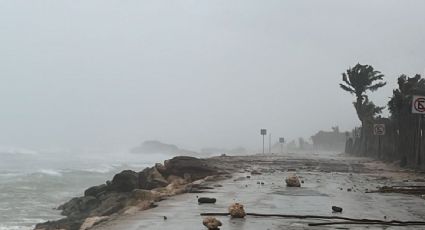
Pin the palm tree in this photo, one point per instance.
(399, 103)
(406, 122)
(358, 80)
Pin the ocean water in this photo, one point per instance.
(33, 185)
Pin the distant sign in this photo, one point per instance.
(379, 129)
(418, 104)
(281, 140)
(263, 131)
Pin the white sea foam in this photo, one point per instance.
(10, 174)
(50, 172)
(101, 169)
(6, 227)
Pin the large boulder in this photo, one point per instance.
(66, 223)
(211, 223)
(111, 203)
(150, 178)
(79, 206)
(236, 210)
(292, 181)
(96, 190)
(183, 166)
(125, 181)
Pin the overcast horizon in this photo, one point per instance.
(107, 75)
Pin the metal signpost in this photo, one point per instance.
(270, 143)
(281, 141)
(379, 130)
(418, 107)
(263, 132)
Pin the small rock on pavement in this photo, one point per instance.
(336, 209)
(293, 181)
(255, 172)
(236, 210)
(206, 200)
(211, 223)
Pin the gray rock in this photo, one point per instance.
(96, 190)
(79, 206)
(336, 209)
(196, 168)
(206, 200)
(150, 178)
(211, 223)
(125, 181)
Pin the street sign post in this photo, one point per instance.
(263, 132)
(281, 141)
(418, 107)
(270, 143)
(379, 130)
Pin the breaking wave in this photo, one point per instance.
(50, 172)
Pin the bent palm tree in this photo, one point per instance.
(358, 80)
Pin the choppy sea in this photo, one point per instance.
(33, 185)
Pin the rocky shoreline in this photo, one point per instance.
(131, 191)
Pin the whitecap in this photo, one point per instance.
(10, 174)
(50, 172)
(4, 227)
(101, 169)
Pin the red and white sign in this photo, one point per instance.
(418, 104)
(378, 129)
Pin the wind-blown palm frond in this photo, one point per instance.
(376, 86)
(346, 88)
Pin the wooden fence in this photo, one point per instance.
(403, 141)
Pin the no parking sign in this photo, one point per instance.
(418, 104)
(378, 129)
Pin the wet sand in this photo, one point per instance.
(327, 179)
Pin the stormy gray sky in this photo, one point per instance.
(107, 75)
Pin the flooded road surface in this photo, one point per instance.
(328, 180)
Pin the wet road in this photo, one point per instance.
(327, 179)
